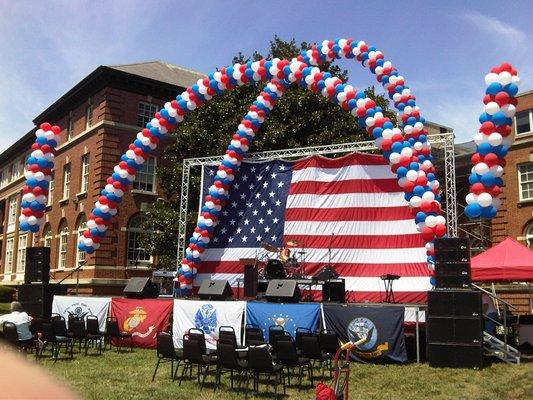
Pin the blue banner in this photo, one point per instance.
(290, 316)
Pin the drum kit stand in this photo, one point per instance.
(287, 262)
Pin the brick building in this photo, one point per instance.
(99, 117)
(515, 217)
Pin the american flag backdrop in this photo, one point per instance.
(352, 204)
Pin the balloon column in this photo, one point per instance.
(38, 174)
(407, 149)
(493, 141)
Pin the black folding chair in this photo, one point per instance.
(288, 357)
(113, 332)
(199, 336)
(260, 362)
(253, 335)
(167, 353)
(311, 349)
(93, 334)
(329, 344)
(11, 336)
(79, 333)
(226, 334)
(228, 359)
(298, 337)
(193, 355)
(49, 337)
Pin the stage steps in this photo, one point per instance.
(497, 348)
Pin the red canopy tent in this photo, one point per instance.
(507, 261)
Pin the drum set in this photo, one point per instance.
(283, 262)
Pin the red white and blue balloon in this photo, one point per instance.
(38, 172)
(493, 141)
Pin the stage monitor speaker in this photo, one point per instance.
(455, 355)
(283, 291)
(328, 272)
(454, 303)
(334, 290)
(250, 281)
(215, 290)
(37, 265)
(140, 288)
(459, 330)
(452, 244)
(37, 298)
(443, 269)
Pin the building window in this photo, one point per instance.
(10, 245)
(70, 128)
(524, 122)
(82, 225)
(12, 213)
(3, 178)
(16, 169)
(21, 252)
(84, 173)
(89, 116)
(145, 177)
(50, 190)
(145, 113)
(47, 235)
(63, 240)
(136, 254)
(525, 181)
(66, 181)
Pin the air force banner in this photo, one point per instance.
(207, 316)
(384, 325)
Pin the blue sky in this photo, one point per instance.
(442, 48)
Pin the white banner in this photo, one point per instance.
(82, 307)
(207, 316)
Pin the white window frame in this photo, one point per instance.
(80, 255)
(70, 128)
(85, 163)
(520, 183)
(136, 183)
(10, 249)
(89, 116)
(67, 171)
(21, 252)
(51, 184)
(63, 246)
(530, 111)
(149, 116)
(47, 236)
(136, 250)
(12, 213)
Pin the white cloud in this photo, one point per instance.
(508, 35)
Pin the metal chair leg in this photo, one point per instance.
(156, 367)
(205, 376)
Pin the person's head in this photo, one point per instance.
(16, 306)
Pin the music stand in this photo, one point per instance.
(389, 293)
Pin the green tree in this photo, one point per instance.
(301, 118)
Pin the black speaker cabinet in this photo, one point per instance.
(454, 303)
(37, 298)
(250, 281)
(452, 282)
(37, 265)
(452, 244)
(455, 356)
(460, 330)
(215, 290)
(334, 290)
(140, 288)
(283, 291)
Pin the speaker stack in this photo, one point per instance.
(454, 316)
(37, 265)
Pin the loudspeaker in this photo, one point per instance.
(459, 330)
(452, 244)
(455, 356)
(215, 290)
(454, 303)
(334, 290)
(328, 272)
(452, 282)
(37, 265)
(140, 288)
(36, 299)
(250, 281)
(283, 291)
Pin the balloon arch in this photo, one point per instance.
(406, 148)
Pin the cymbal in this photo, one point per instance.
(269, 247)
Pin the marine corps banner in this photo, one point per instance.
(383, 326)
(143, 318)
(207, 316)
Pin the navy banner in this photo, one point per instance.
(290, 316)
(383, 324)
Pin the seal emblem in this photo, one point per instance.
(359, 328)
(206, 319)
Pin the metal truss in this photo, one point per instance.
(441, 140)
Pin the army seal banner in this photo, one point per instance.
(384, 325)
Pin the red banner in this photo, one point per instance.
(143, 318)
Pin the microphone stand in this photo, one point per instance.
(77, 269)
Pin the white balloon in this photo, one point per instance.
(402, 181)
(496, 170)
(481, 168)
(490, 78)
(496, 202)
(411, 175)
(415, 201)
(431, 221)
(495, 139)
(509, 110)
(492, 108)
(484, 199)
(407, 151)
(430, 196)
(394, 158)
(387, 133)
(471, 198)
(440, 220)
(32, 220)
(505, 78)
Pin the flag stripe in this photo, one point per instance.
(346, 200)
(345, 186)
(363, 241)
(356, 228)
(362, 159)
(369, 172)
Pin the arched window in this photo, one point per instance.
(47, 235)
(80, 228)
(137, 257)
(529, 235)
(63, 240)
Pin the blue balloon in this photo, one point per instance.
(484, 117)
(511, 89)
(484, 148)
(420, 217)
(401, 172)
(89, 249)
(473, 210)
(81, 246)
(493, 88)
(488, 179)
(488, 212)
(473, 178)
(414, 166)
(397, 147)
(24, 226)
(419, 191)
(432, 281)
(499, 118)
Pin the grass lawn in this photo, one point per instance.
(128, 376)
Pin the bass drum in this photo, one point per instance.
(275, 270)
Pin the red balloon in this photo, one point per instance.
(427, 233)
(408, 186)
(440, 230)
(487, 127)
(56, 129)
(425, 206)
(476, 158)
(477, 188)
(45, 126)
(491, 159)
(502, 98)
(495, 191)
(386, 144)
